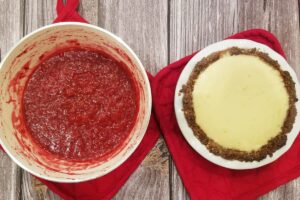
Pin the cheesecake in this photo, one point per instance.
(240, 104)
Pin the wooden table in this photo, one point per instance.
(160, 32)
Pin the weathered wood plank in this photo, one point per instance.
(143, 26)
(11, 30)
(283, 18)
(37, 14)
(195, 24)
(89, 10)
(33, 189)
(150, 180)
(10, 181)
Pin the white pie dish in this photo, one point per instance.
(187, 131)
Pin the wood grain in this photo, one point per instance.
(194, 24)
(150, 180)
(142, 25)
(33, 189)
(159, 31)
(11, 30)
(37, 14)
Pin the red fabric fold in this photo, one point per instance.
(106, 186)
(67, 12)
(201, 178)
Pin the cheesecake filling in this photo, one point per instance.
(240, 102)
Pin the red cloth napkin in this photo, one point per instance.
(201, 178)
(67, 13)
(106, 186)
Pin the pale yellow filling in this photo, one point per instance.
(240, 102)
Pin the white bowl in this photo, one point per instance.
(17, 142)
(187, 131)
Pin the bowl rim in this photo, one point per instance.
(187, 131)
(146, 120)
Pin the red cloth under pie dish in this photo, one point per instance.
(201, 178)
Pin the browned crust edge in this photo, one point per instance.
(233, 154)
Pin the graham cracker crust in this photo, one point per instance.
(274, 143)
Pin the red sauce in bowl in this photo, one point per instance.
(80, 104)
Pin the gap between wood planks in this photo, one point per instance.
(168, 61)
(22, 20)
(299, 12)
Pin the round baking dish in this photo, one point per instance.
(187, 131)
(26, 55)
